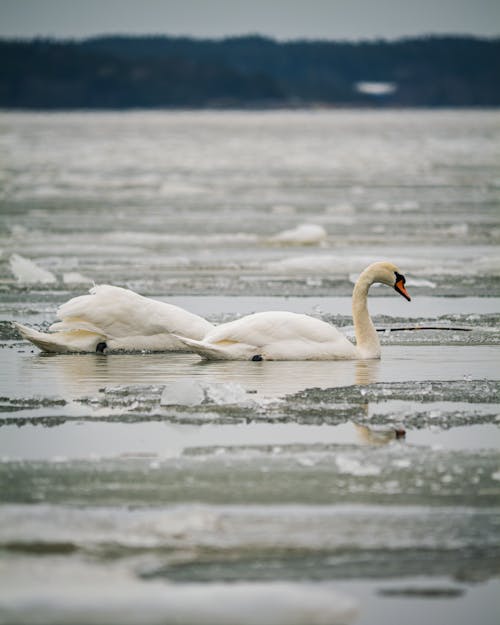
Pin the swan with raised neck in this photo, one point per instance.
(367, 341)
(281, 335)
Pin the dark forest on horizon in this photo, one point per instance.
(122, 72)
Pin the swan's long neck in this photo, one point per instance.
(367, 340)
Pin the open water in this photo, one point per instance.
(154, 488)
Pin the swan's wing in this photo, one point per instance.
(117, 312)
(261, 329)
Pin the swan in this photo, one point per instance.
(289, 336)
(111, 318)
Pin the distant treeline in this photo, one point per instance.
(158, 72)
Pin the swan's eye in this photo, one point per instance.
(399, 277)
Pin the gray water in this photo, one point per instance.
(155, 488)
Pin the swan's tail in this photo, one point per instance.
(46, 342)
(208, 352)
(61, 342)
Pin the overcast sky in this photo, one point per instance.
(282, 19)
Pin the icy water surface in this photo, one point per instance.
(155, 488)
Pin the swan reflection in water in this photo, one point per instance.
(378, 436)
(75, 375)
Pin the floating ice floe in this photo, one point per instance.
(81, 594)
(487, 264)
(304, 234)
(353, 466)
(324, 263)
(397, 207)
(72, 277)
(420, 282)
(155, 239)
(28, 272)
(190, 392)
(458, 230)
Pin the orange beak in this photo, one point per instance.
(400, 288)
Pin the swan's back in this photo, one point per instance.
(280, 335)
(117, 312)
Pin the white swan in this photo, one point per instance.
(290, 336)
(111, 318)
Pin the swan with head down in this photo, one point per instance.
(111, 318)
(278, 335)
